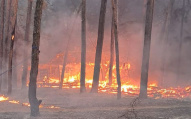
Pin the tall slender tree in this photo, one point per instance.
(83, 48)
(34, 102)
(6, 43)
(111, 52)
(2, 12)
(115, 17)
(165, 35)
(99, 47)
(146, 49)
(25, 53)
(64, 65)
(67, 49)
(180, 42)
(13, 20)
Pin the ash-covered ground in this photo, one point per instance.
(73, 105)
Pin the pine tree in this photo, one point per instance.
(111, 52)
(83, 48)
(25, 53)
(6, 43)
(115, 17)
(2, 12)
(146, 49)
(34, 102)
(64, 66)
(99, 47)
(13, 21)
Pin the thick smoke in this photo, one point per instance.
(62, 22)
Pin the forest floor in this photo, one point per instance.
(73, 105)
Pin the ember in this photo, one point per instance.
(26, 104)
(12, 37)
(14, 102)
(3, 98)
(53, 107)
(72, 80)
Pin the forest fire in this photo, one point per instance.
(14, 102)
(4, 99)
(72, 80)
(12, 37)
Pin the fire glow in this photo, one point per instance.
(72, 80)
(12, 37)
(3, 98)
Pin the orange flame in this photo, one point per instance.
(14, 102)
(12, 37)
(3, 98)
(72, 80)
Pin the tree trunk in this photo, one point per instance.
(15, 51)
(25, 53)
(34, 102)
(10, 62)
(66, 52)
(111, 52)
(99, 47)
(115, 17)
(2, 12)
(165, 35)
(64, 66)
(180, 43)
(6, 43)
(146, 49)
(83, 48)
(13, 20)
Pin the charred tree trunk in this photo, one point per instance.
(13, 20)
(146, 49)
(83, 49)
(115, 17)
(6, 43)
(99, 47)
(10, 62)
(111, 52)
(180, 43)
(25, 53)
(15, 51)
(64, 66)
(34, 102)
(2, 12)
(165, 35)
(66, 53)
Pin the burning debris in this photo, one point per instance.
(3, 98)
(6, 99)
(51, 79)
(123, 59)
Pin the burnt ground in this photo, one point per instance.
(94, 106)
